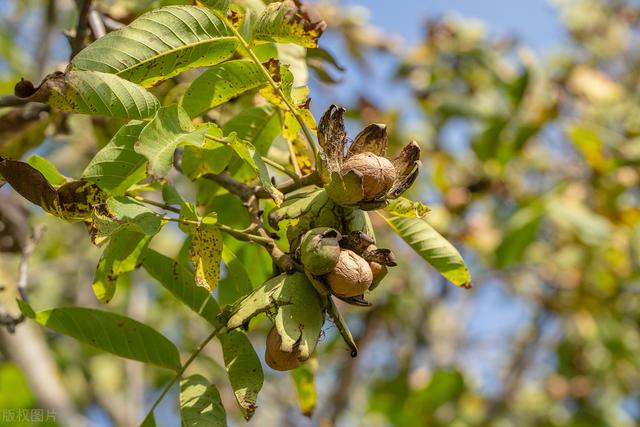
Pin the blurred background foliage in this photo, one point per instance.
(531, 166)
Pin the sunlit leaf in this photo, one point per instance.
(200, 403)
(288, 22)
(159, 139)
(434, 248)
(251, 157)
(110, 332)
(244, 370)
(206, 255)
(221, 83)
(242, 363)
(305, 382)
(179, 280)
(160, 44)
(124, 212)
(92, 92)
(116, 167)
(407, 208)
(49, 171)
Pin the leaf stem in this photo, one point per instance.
(267, 160)
(156, 204)
(184, 367)
(238, 234)
(274, 85)
(291, 174)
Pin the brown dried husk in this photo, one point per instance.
(351, 277)
(378, 173)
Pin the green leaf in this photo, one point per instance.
(221, 5)
(434, 248)
(110, 332)
(305, 382)
(341, 324)
(159, 45)
(92, 92)
(206, 254)
(49, 171)
(520, 231)
(221, 83)
(124, 212)
(178, 280)
(159, 139)
(116, 167)
(213, 157)
(247, 152)
(200, 403)
(237, 283)
(242, 363)
(121, 256)
(244, 370)
(407, 208)
(300, 315)
(286, 22)
(258, 125)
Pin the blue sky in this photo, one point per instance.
(535, 23)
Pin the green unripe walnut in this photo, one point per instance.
(320, 250)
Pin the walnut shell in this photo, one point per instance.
(379, 272)
(378, 173)
(278, 359)
(352, 275)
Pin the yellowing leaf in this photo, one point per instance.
(288, 22)
(206, 254)
(304, 379)
(407, 208)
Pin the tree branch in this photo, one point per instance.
(84, 6)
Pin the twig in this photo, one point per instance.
(77, 43)
(291, 185)
(274, 85)
(184, 367)
(252, 203)
(293, 175)
(277, 166)
(12, 101)
(23, 269)
(97, 25)
(156, 204)
(45, 38)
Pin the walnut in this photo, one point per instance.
(351, 276)
(378, 173)
(278, 359)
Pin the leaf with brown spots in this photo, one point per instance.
(72, 201)
(206, 254)
(289, 22)
(91, 92)
(160, 44)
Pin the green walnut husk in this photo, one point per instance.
(319, 250)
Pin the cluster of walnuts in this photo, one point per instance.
(330, 234)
